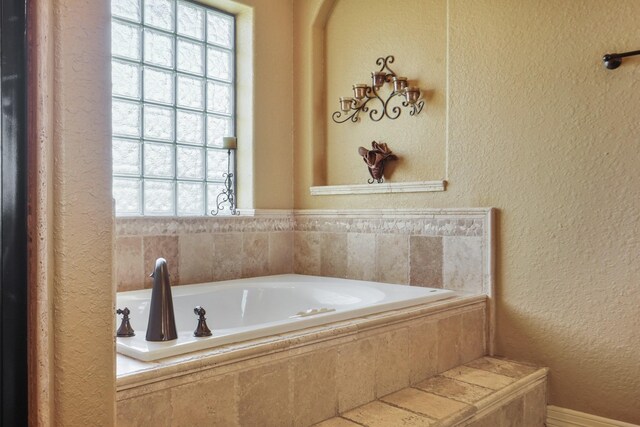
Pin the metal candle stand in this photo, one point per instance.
(227, 195)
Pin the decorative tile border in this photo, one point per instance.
(394, 225)
(144, 226)
(426, 222)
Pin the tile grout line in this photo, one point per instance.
(393, 405)
(449, 397)
(352, 421)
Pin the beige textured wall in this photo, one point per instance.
(72, 373)
(539, 129)
(265, 101)
(352, 47)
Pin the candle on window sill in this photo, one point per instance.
(229, 142)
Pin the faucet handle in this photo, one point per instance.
(125, 329)
(202, 330)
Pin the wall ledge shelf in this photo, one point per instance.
(386, 187)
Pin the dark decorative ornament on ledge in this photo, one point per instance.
(362, 94)
(376, 159)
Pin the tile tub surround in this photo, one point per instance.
(203, 249)
(439, 248)
(449, 249)
(304, 377)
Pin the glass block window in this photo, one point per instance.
(173, 89)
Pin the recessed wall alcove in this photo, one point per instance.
(346, 39)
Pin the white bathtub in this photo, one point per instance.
(244, 309)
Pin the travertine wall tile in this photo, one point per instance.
(361, 256)
(265, 397)
(473, 340)
(333, 254)
(184, 242)
(315, 396)
(535, 406)
(449, 336)
(423, 350)
(227, 255)
(306, 255)
(196, 257)
(281, 252)
(213, 402)
(425, 261)
(356, 374)
(255, 254)
(492, 419)
(512, 414)
(161, 247)
(391, 351)
(462, 265)
(129, 263)
(434, 251)
(392, 258)
(147, 410)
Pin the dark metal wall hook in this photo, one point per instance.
(613, 60)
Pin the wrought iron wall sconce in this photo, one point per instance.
(362, 94)
(227, 195)
(375, 159)
(614, 60)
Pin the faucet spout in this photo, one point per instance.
(162, 322)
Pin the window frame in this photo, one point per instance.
(205, 111)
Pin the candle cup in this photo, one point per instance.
(412, 94)
(378, 78)
(229, 142)
(360, 91)
(345, 103)
(399, 83)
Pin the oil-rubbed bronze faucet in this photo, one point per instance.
(162, 322)
(202, 330)
(125, 329)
